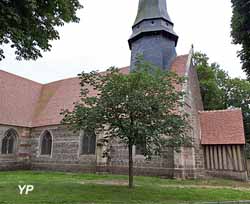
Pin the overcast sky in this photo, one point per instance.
(100, 39)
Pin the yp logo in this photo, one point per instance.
(26, 189)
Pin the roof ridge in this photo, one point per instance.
(60, 80)
(20, 77)
(125, 67)
(222, 110)
(76, 77)
(183, 55)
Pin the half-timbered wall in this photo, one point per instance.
(227, 160)
(225, 157)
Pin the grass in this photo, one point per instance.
(73, 188)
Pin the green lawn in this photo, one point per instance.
(69, 188)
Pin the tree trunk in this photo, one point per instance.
(131, 174)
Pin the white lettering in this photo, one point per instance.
(21, 189)
(29, 189)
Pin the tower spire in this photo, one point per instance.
(153, 35)
(149, 9)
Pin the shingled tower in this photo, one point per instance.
(153, 35)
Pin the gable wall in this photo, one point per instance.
(190, 162)
(197, 106)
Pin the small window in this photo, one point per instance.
(140, 149)
(9, 142)
(88, 143)
(152, 22)
(46, 143)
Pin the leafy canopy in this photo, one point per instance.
(142, 108)
(213, 82)
(138, 108)
(241, 31)
(29, 25)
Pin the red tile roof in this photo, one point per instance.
(222, 127)
(53, 98)
(18, 98)
(179, 66)
(29, 104)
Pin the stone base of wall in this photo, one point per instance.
(63, 167)
(162, 172)
(139, 171)
(102, 169)
(237, 175)
(13, 166)
(189, 173)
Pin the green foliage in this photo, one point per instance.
(247, 151)
(220, 91)
(241, 31)
(138, 108)
(239, 96)
(212, 82)
(29, 25)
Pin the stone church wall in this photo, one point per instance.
(20, 159)
(65, 151)
(67, 144)
(196, 107)
(157, 166)
(190, 162)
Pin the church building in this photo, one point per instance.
(32, 138)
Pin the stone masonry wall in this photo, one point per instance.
(65, 151)
(189, 163)
(20, 159)
(197, 106)
(157, 166)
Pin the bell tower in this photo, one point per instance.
(153, 36)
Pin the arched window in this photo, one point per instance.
(9, 142)
(88, 143)
(46, 143)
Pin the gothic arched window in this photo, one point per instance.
(9, 142)
(88, 143)
(46, 143)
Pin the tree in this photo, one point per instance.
(241, 31)
(239, 96)
(29, 25)
(213, 82)
(138, 109)
(220, 91)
